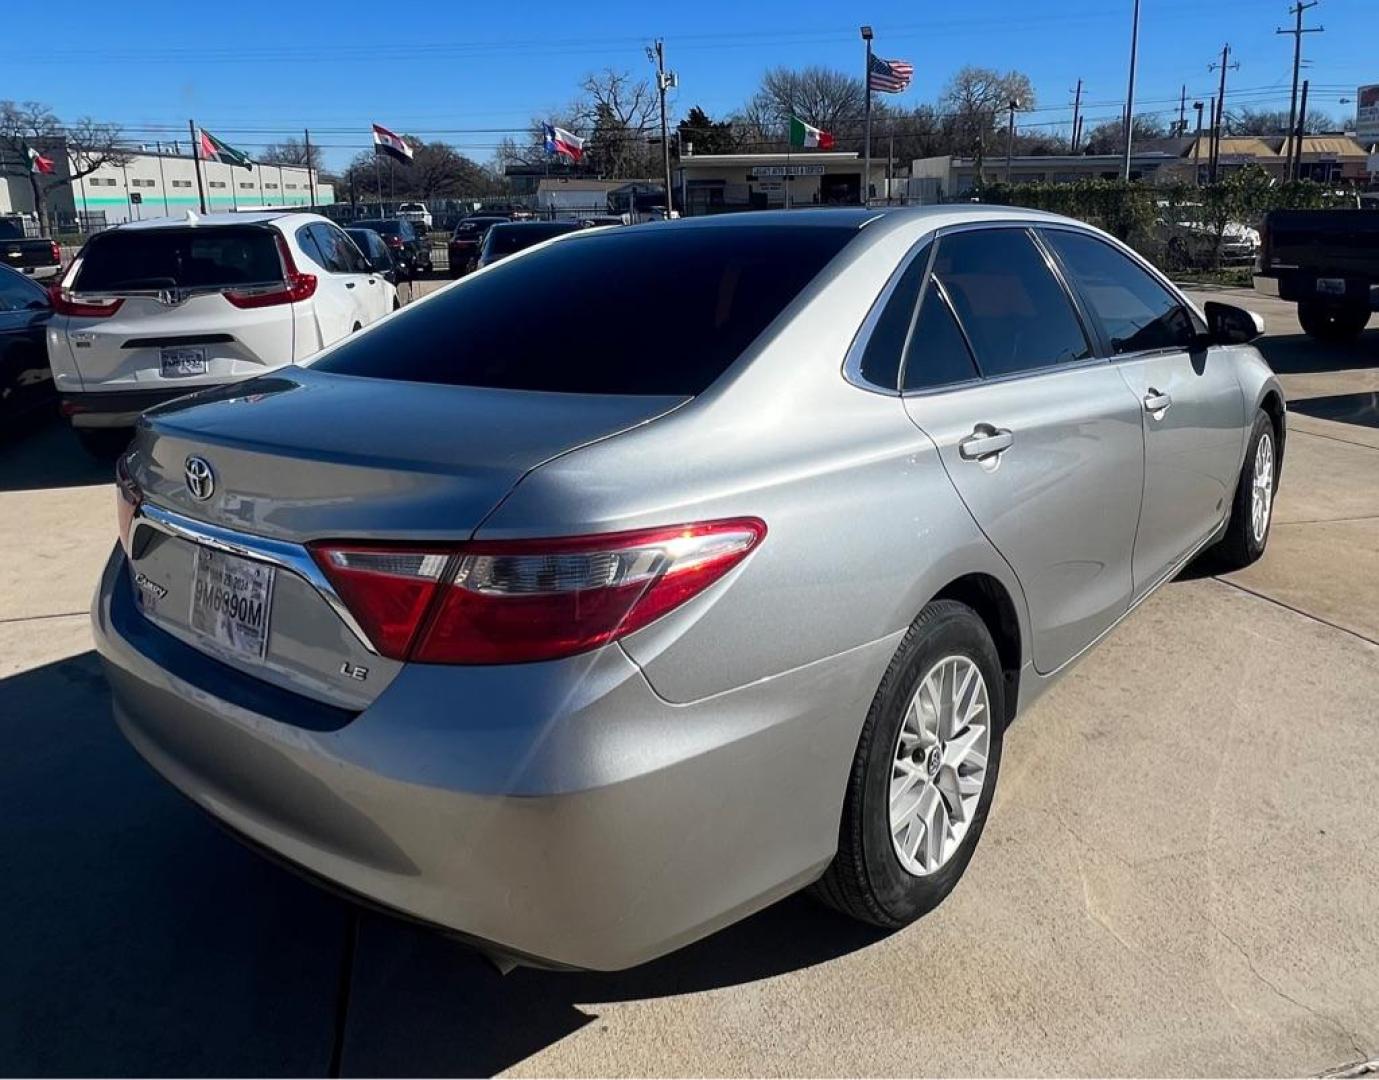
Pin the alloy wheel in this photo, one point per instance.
(1262, 487)
(939, 766)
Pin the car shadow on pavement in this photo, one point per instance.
(1298, 354)
(143, 940)
(42, 451)
(1361, 408)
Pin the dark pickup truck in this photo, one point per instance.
(1326, 262)
(33, 256)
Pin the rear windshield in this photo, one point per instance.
(470, 226)
(385, 228)
(654, 310)
(207, 256)
(505, 239)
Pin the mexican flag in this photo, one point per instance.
(38, 163)
(802, 134)
(210, 148)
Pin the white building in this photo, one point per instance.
(160, 184)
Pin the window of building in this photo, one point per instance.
(247, 185)
(181, 183)
(141, 183)
(215, 183)
(292, 186)
(271, 187)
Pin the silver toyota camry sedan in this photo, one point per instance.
(645, 577)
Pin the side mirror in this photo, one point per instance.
(1231, 325)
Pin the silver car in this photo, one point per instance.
(652, 574)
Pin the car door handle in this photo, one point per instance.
(984, 442)
(1155, 402)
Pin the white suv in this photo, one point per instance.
(415, 212)
(155, 309)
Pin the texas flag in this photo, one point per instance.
(560, 141)
(386, 142)
(38, 163)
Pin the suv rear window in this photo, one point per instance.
(205, 256)
(655, 310)
(505, 239)
(387, 228)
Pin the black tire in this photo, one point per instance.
(1331, 322)
(866, 879)
(104, 444)
(1239, 546)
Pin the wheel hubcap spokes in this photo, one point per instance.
(1262, 488)
(939, 767)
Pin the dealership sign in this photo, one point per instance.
(1367, 115)
(792, 170)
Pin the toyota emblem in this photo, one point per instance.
(199, 477)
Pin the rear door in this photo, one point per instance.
(1040, 438)
(24, 375)
(332, 310)
(1191, 404)
(361, 283)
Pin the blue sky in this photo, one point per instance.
(253, 72)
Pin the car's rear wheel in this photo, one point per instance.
(1332, 322)
(1252, 512)
(924, 773)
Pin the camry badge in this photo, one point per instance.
(199, 478)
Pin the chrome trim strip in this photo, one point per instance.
(293, 558)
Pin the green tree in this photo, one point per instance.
(707, 136)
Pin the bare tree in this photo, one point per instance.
(619, 113)
(86, 144)
(291, 152)
(1109, 137)
(820, 96)
(976, 97)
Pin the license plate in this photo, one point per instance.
(232, 601)
(178, 362)
(1331, 286)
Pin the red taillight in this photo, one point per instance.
(512, 601)
(296, 285)
(57, 251)
(86, 307)
(127, 500)
(393, 241)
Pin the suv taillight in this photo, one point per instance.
(57, 251)
(296, 285)
(514, 601)
(85, 307)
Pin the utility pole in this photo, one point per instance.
(1295, 151)
(1182, 112)
(664, 80)
(1220, 108)
(310, 176)
(1077, 115)
(1298, 30)
(1197, 147)
(196, 164)
(866, 137)
(1010, 135)
(1130, 93)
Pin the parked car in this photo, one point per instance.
(26, 382)
(508, 238)
(33, 256)
(1326, 262)
(377, 254)
(1191, 242)
(584, 645)
(412, 249)
(417, 214)
(152, 310)
(464, 244)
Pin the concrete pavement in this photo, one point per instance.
(1180, 875)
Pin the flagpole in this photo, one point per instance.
(866, 139)
(196, 164)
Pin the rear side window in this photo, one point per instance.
(1014, 310)
(1136, 312)
(938, 354)
(881, 360)
(207, 256)
(652, 310)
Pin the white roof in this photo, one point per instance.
(223, 217)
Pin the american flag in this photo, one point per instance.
(889, 76)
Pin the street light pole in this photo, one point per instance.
(1197, 147)
(1010, 135)
(866, 137)
(1130, 93)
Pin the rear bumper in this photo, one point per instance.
(1298, 286)
(40, 273)
(118, 408)
(561, 812)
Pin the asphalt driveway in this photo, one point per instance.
(1180, 875)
